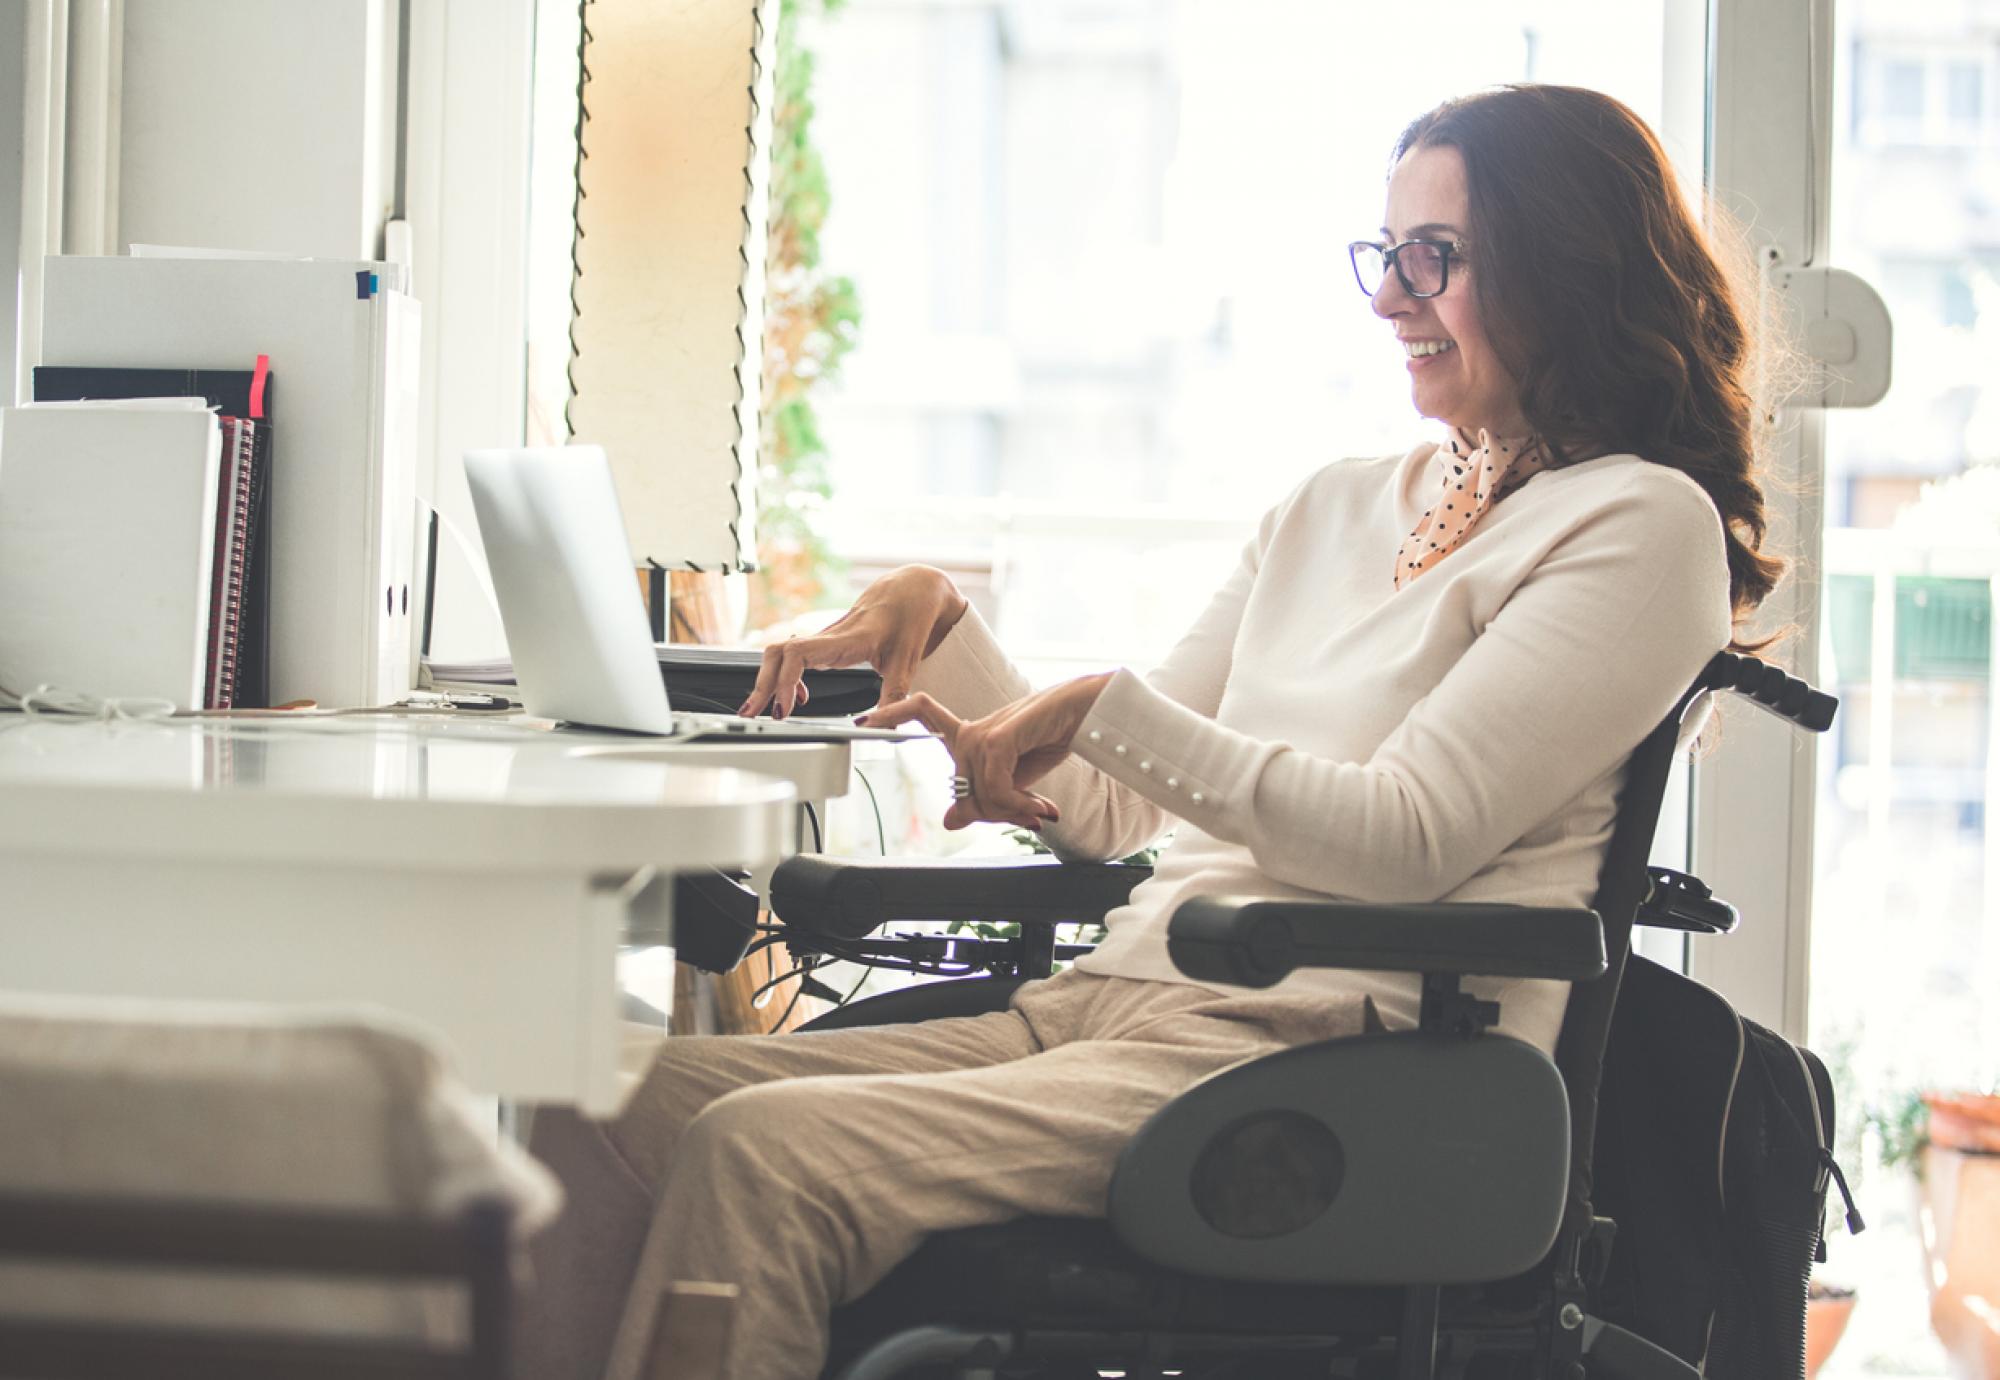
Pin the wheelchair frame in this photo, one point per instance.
(1539, 1316)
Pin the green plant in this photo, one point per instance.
(1839, 1047)
(1901, 1129)
(1081, 933)
(811, 320)
(1145, 857)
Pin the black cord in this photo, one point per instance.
(798, 990)
(881, 834)
(758, 945)
(682, 623)
(819, 846)
(924, 967)
(865, 973)
(804, 966)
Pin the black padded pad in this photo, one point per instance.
(1258, 943)
(926, 1001)
(850, 897)
(1071, 1272)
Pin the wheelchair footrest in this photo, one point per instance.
(893, 1356)
(1617, 1354)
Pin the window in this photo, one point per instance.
(1902, 91)
(1965, 94)
(1905, 883)
(1920, 92)
(1099, 253)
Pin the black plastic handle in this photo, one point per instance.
(1771, 689)
(1677, 901)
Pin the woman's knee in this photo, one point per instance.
(757, 1127)
(687, 1077)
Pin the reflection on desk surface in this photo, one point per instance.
(373, 756)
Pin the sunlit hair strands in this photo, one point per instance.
(1605, 300)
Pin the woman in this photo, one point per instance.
(1422, 682)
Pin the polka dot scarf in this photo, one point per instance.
(1477, 476)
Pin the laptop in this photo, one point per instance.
(583, 652)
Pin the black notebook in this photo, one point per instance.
(704, 679)
(240, 624)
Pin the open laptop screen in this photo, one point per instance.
(555, 543)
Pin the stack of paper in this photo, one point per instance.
(108, 525)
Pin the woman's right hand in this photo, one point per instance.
(897, 622)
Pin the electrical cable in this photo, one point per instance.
(881, 834)
(881, 842)
(762, 996)
(799, 990)
(869, 969)
(819, 844)
(55, 702)
(763, 992)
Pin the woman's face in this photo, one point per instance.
(1454, 374)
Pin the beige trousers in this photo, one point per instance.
(802, 1168)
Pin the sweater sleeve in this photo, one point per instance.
(1588, 653)
(970, 675)
(1102, 817)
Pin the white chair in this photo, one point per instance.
(237, 1192)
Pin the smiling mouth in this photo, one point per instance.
(1424, 349)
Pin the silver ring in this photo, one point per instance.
(961, 788)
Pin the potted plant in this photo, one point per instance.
(1952, 1142)
(1828, 1307)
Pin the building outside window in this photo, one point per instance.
(1906, 912)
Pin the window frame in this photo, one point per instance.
(1770, 125)
(467, 116)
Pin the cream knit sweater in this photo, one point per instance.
(1319, 732)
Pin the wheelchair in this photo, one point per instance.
(1415, 1204)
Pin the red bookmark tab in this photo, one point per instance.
(257, 387)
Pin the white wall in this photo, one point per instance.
(471, 65)
(13, 42)
(286, 126)
(252, 125)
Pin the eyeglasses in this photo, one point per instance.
(1423, 267)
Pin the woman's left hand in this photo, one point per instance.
(1006, 752)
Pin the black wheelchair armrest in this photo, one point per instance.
(1257, 943)
(851, 897)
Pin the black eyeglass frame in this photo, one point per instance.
(1391, 260)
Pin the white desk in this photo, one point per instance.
(476, 875)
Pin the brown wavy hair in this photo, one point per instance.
(1605, 300)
